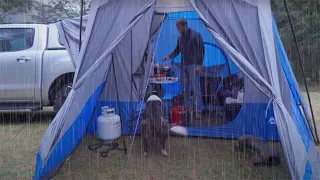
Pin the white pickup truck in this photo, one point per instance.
(35, 68)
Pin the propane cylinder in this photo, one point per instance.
(109, 125)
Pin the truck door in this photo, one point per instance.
(18, 52)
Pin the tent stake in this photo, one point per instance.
(303, 73)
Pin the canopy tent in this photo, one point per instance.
(69, 35)
(120, 39)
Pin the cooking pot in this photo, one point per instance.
(161, 69)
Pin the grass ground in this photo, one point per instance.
(17, 153)
(315, 99)
(190, 158)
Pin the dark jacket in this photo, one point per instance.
(191, 47)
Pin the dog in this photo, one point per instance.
(155, 127)
(258, 147)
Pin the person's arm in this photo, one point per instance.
(200, 45)
(175, 52)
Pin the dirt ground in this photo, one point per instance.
(189, 158)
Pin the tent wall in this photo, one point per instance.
(128, 56)
(266, 80)
(229, 20)
(70, 124)
(286, 67)
(110, 13)
(69, 35)
(145, 61)
(64, 134)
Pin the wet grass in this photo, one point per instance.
(189, 158)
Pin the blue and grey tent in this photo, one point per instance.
(123, 38)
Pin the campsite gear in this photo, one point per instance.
(108, 130)
(177, 116)
(126, 40)
(237, 100)
(163, 80)
(160, 75)
(157, 80)
(148, 92)
(231, 111)
(188, 75)
(261, 153)
(158, 89)
(171, 74)
(209, 88)
(232, 91)
(193, 116)
(233, 81)
(154, 93)
(162, 69)
(111, 145)
(109, 125)
(214, 71)
(178, 101)
(154, 89)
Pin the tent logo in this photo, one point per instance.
(272, 121)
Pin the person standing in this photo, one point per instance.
(190, 45)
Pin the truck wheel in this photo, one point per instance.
(61, 95)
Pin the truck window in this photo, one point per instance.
(16, 39)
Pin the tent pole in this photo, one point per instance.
(81, 20)
(118, 104)
(131, 75)
(303, 73)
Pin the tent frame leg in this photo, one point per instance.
(118, 104)
(315, 137)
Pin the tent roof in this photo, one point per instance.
(167, 6)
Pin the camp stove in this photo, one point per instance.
(163, 74)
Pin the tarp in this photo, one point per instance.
(119, 33)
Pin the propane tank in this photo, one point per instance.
(109, 125)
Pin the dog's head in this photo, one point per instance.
(153, 97)
(150, 93)
(154, 105)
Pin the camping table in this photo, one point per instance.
(212, 71)
(157, 83)
(164, 80)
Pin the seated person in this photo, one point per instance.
(232, 90)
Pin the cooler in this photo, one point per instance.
(177, 116)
